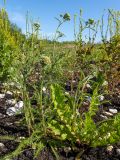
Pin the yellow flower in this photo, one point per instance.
(46, 60)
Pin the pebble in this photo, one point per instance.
(114, 111)
(105, 83)
(88, 85)
(2, 96)
(107, 113)
(101, 98)
(67, 149)
(118, 151)
(73, 81)
(44, 89)
(9, 95)
(3, 149)
(18, 92)
(10, 102)
(67, 93)
(19, 105)
(14, 110)
(104, 117)
(86, 103)
(21, 138)
(11, 111)
(17, 108)
(2, 146)
(109, 148)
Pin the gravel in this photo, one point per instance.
(114, 111)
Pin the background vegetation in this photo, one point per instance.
(55, 76)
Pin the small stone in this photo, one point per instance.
(107, 113)
(101, 98)
(13, 111)
(110, 148)
(104, 117)
(10, 102)
(19, 105)
(88, 85)
(86, 103)
(114, 111)
(2, 146)
(105, 83)
(18, 92)
(67, 149)
(10, 93)
(21, 137)
(3, 149)
(73, 81)
(67, 93)
(118, 151)
(44, 89)
(2, 96)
